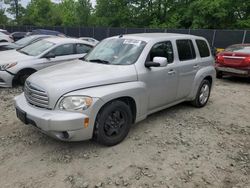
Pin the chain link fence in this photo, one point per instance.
(216, 38)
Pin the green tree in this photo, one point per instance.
(83, 12)
(3, 17)
(41, 13)
(15, 9)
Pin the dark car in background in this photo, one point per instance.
(23, 42)
(18, 35)
(234, 60)
(45, 32)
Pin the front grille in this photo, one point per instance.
(36, 96)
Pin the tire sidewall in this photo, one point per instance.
(197, 100)
(100, 135)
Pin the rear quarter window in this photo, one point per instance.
(203, 48)
(185, 49)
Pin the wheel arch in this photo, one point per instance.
(130, 101)
(21, 72)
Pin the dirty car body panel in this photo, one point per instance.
(151, 88)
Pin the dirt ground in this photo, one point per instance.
(180, 147)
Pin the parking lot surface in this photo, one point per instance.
(179, 147)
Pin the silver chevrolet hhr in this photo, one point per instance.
(120, 82)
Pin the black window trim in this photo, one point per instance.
(208, 47)
(195, 55)
(148, 56)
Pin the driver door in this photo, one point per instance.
(161, 81)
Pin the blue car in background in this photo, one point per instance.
(46, 32)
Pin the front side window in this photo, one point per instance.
(82, 48)
(163, 49)
(203, 48)
(36, 48)
(65, 49)
(116, 51)
(185, 50)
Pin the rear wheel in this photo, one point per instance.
(113, 123)
(203, 94)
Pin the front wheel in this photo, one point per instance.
(113, 123)
(203, 94)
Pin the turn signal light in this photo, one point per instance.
(86, 123)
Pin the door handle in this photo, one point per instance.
(171, 72)
(196, 66)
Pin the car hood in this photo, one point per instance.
(11, 56)
(5, 43)
(71, 76)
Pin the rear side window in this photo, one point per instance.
(81, 48)
(162, 49)
(185, 50)
(203, 48)
(65, 49)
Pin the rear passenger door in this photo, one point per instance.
(187, 67)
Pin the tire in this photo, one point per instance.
(113, 123)
(202, 95)
(219, 75)
(23, 76)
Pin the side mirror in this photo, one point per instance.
(157, 62)
(50, 55)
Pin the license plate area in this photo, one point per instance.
(21, 115)
(232, 70)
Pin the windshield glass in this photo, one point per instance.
(116, 51)
(36, 48)
(24, 41)
(238, 48)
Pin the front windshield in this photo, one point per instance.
(238, 48)
(36, 48)
(116, 51)
(24, 41)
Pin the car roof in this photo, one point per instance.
(61, 40)
(158, 36)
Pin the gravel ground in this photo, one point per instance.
(180, 147)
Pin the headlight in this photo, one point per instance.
(75, 103)
(7, 66)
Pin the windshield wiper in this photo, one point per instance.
(22, 52)
(99, 61)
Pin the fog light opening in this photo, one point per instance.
(65, 135)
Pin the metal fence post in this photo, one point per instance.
(244, 36)
(214, 35)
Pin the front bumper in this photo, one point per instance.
(6, 79)
(242, 72)
(62, 125)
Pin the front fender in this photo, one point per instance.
(136, 90)
(200, 75)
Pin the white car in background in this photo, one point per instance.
(4, 37)
(89, 39)
(17, 65)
